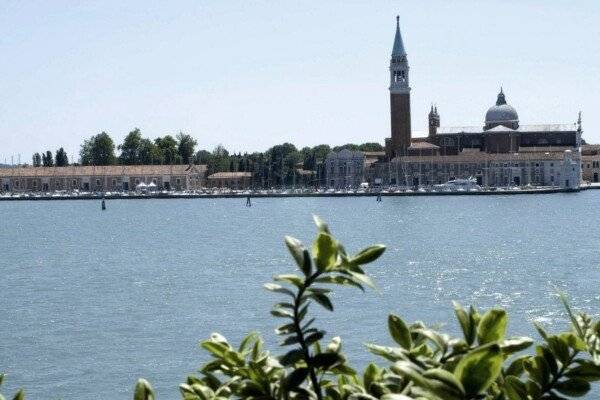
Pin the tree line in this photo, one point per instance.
(275, 166)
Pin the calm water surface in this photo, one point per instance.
(92, 300)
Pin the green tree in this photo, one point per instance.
(130, 149)
(218, 160)
(348, 146)
(37, 160)
(202, 157)
(186, 147)
(149, 153)
(282, 159)
(47, 159)
(371, 146)
(62, 160)
(168, 148)
(98, 150)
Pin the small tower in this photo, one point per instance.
(399, 96)
(434, 121)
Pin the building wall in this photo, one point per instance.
(345, 169)
(590, 166)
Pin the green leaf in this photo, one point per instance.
(449, 383)
(549, 357)
(300, 254)
(492, 326)
(585, 370)
(574, 387)
(280, 313)
(290, 278)
(538, 370)
(339, 280)
(322, 299)
(143, 390)
(389, 353)
(20, 395)
(326, 360)
(368, 255)
(563, 299)
(372, 373)
(516, 344)
(296, 378)
(285, 329)
(399, 331)
(516, 367)
(292, 357)
(362, 278)
(324, 251)
(314, 337)
(541, 330)
(321, 225)
(289, 340)
(246, 341)
(560, 348)
(469, 329)
(479, 368)
(273, 287)
(215, 348)
(514, 389)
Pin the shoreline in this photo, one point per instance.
(285, 195)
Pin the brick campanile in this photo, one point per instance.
(399, 97)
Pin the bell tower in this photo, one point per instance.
(399, 96)
(434, 121)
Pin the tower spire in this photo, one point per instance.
(398, 49)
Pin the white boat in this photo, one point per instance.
(459, 185)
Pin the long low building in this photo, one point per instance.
(101, 178)
(230, 180)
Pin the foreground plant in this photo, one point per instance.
(483, 364)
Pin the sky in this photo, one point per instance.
(252, 74)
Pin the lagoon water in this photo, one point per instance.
(92, 300)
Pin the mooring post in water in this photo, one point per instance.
(103, 204)
(248, 202)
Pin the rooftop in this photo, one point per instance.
(452, 130)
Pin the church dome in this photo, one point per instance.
(501, 114)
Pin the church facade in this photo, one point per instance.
(499, 152)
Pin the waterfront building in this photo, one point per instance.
(345, 169)
(590, 162)
(499, 152)
(535, 168)
(101, 178)
(230, 180)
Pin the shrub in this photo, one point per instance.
(425, 364)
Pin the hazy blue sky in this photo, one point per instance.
(252, 74)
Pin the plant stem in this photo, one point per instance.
(300, 335)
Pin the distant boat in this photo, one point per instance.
(459, 185)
